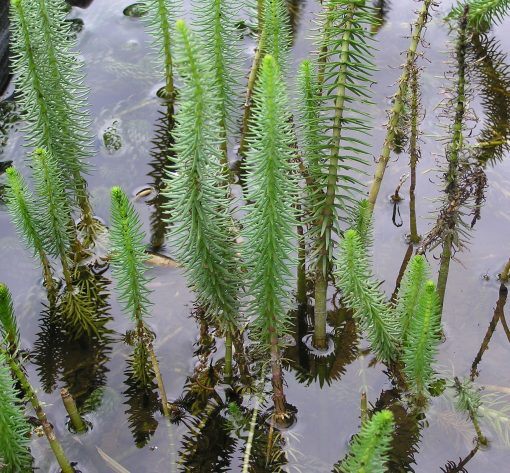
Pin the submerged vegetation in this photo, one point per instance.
(262, 208)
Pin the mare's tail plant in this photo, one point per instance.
(270, 220)
(362, 294)
(333, 132)
(370, 447)
(160, 19)
(421, 340)
(395, 114)
(9, 363)
(198, 196)
(51, 93)
(128, 262)
(482, 13)
(215, 24)
(23, 210)
(15, 441)
(469, 401)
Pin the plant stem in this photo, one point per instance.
(280, 408)
(301, 268)
(55, 445)
(398, 103)
(165, 34)
(414, 153)
(505, 274)
(227, 370)
(70, 405)
(364, 408)
(328, 210)
(159, 380)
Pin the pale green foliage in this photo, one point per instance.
(53, 209)
(128, 256)
(198, 196)
(23, 210)
(336, 119)
(9, 334)
(362, 294)
(423, 337)
(276, 35)
(269, 224)
(469, 398)
(362, 223)
(410, 292)
(14, 429)
(215, 25)
(369, 448)
(50, 87)
(482, 14)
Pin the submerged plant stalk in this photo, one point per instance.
(72, 410)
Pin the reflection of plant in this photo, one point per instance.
(482, 13)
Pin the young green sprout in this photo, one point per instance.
(269, 224)
(201, 224)
(128, 258)
(9, 334)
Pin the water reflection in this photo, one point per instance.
(382, 10)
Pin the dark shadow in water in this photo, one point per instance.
(310, 367)
(460, 467)
(79, 365)
(80, 3)
(161, 159)
(295, 8)
(382, 10)
(491, 72)
(4, 46)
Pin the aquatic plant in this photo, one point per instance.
(50, 88)
(333, 133)
(15, 441)
(23, 210)
(75, 418)
(270, 219)
(9, 334)
(160, 18)
(469, 401)
(215, 25)
(421, 341)
(399, 99)
(128, 265)
(369, 448)
(201, 225)
(361, 293)
(482, 13)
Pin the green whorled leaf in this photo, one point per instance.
(201, 225)
(334, 122)
(49, 84)
(54, 211)
(22, 209)
(482, 14)
(422, 340)
(215, 24)
(410, 292)
(128, 257)
(362, 294)
(270, 221)
(370, 447)
(15, 430)
(9, 333)
(276, 34)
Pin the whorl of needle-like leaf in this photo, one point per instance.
(215, 25)
(128, 257)
(9, 333)
(369, 449)
(339, 122)
(469, 398)
(23, 210)
(53, 212)
(270, 219)
(50, 87)
(362, 294)
(276, 34)
(410, 292)
(14, 439)
(482, 13)
(422, 340)
(198, 196)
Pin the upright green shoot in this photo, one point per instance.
(369, 449)
(14, 441)
(270, 220)
(9, 334)
(201, 224)
(482, 13)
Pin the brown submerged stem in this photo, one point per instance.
(398, 102)
(70, 406)
(414, 153)
(280, 407)
(55, 445)
(227, 370)
(159, 380)
(505, 274)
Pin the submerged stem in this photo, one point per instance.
(70, 406)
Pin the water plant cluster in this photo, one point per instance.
(263, 199)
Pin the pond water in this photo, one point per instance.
(126, 425)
